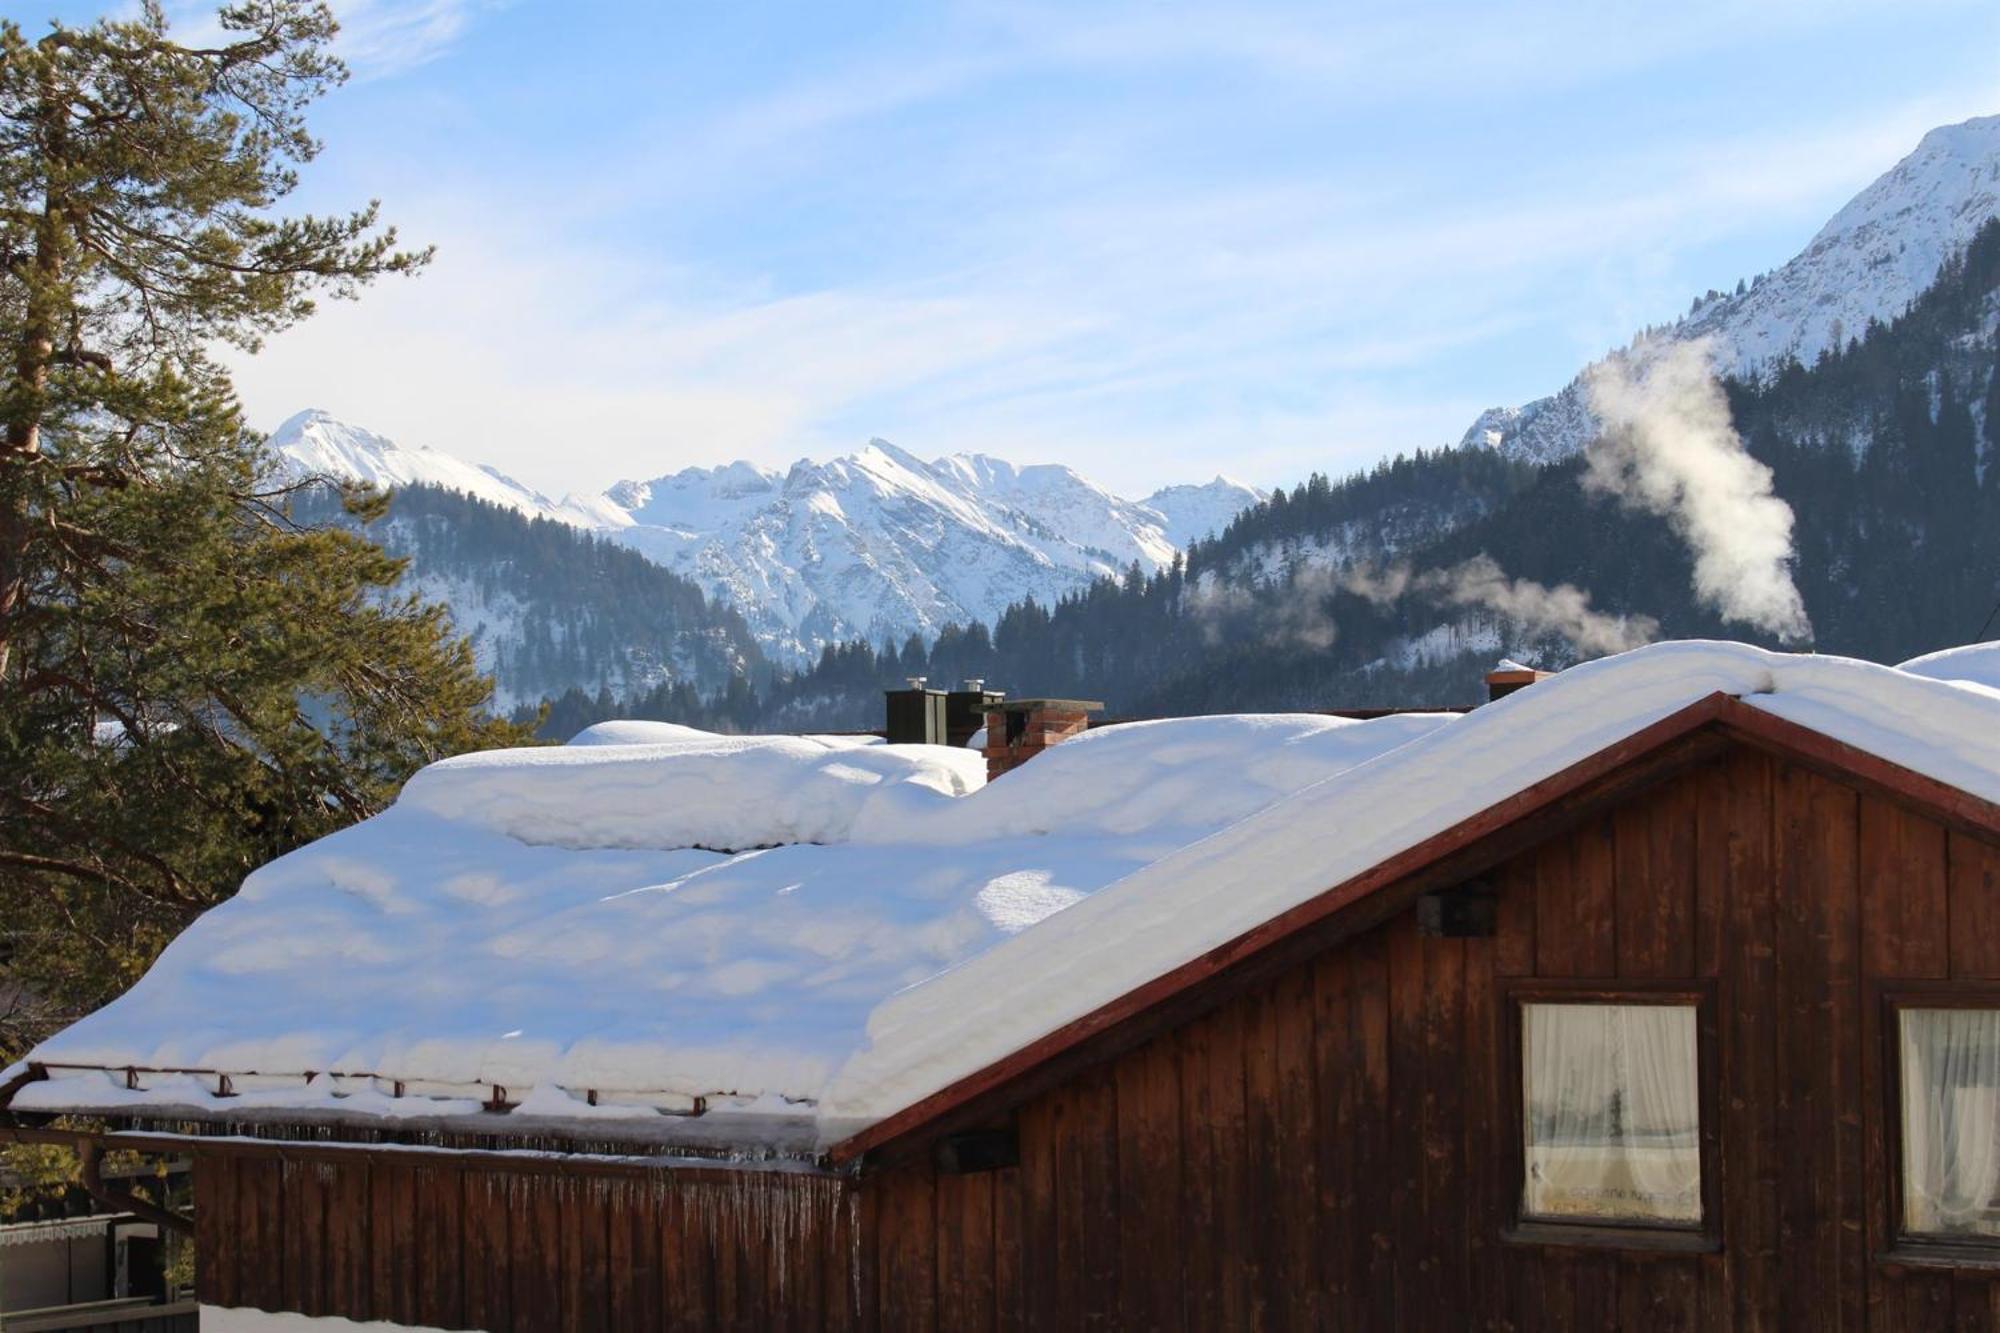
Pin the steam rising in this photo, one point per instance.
(1668, 447)
(1299, 617)
(1480, 582)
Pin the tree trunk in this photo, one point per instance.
(34, 355)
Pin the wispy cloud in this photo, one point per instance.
(378, 38)
(1151, 240)
(383, 37)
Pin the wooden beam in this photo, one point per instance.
(1855, 767)
(525, 1162)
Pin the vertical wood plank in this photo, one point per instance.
(1974, 908)
(1734, 870)
(1904, 890)
(305, 1190)
(1441, 1066)
(1653, 839)
(261, 1268)
(840, 1302)
(1380, 1301)
(534, 1236)
(1905, 916)
(908, 1257)
(1493, 1302)
(1195, 1053)
(1338, 1070)
(349, 1219)
(488, 1299)
(1298, 1293)
(1415, 1257)
(1097, 1196)
(1086, 1219)
(965, 1251)
(1596, 1277)
(216, 1230)
(440, 1247)
(1262, 1128)
(1228, 1155)
(1576, 904)
(586, 1244)
(392, 1255)
(687, 1268)
(1817, 921)
(1038, 1134)
(1009, 1312)
(1514, 935)
(1149, 1201)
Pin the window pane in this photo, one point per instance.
(1613, 1115)
(1951, 1121)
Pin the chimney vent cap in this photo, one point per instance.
(916, 682)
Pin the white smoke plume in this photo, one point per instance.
(1538, 609)
(1233, 611)
(1668, 447)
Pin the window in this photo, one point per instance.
(1611, 1113)
(1949, 1072)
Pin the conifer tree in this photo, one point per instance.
(191, 682)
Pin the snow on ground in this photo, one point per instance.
(547, 921)
(239, 1319)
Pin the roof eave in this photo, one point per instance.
(1615, 772)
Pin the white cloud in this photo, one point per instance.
(378, 38)
(904, 241)
(383, 37)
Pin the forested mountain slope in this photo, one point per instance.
(550, 608)
(1882, 449)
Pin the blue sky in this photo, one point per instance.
(1154, 241)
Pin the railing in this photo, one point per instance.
(138, 1314)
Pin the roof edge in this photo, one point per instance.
(1721, 711)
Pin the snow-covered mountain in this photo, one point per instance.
(316, 444)
(878, 544)
(882, 544)
(1867, 263)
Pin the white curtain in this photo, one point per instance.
(1951, 1120)
(1613, 1114)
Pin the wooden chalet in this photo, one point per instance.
(1694, 1024)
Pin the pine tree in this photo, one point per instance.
(191, 682)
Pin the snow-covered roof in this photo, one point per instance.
(829, 930)
(1970, 664)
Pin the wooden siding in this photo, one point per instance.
(1327, 1151)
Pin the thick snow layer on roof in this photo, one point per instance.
(1972, 663)
(1203, 895)
(720, 793)
(541, 920)
(579, 918)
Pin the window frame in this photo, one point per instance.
(1698, 994)
(1917, 1248)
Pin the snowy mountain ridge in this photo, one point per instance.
(878, 543)
(315, 444)
(1868, 262)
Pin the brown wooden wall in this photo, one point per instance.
(431, 1242)
(1326, 1152)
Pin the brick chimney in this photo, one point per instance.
(1510, 676)
(1019, 729)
